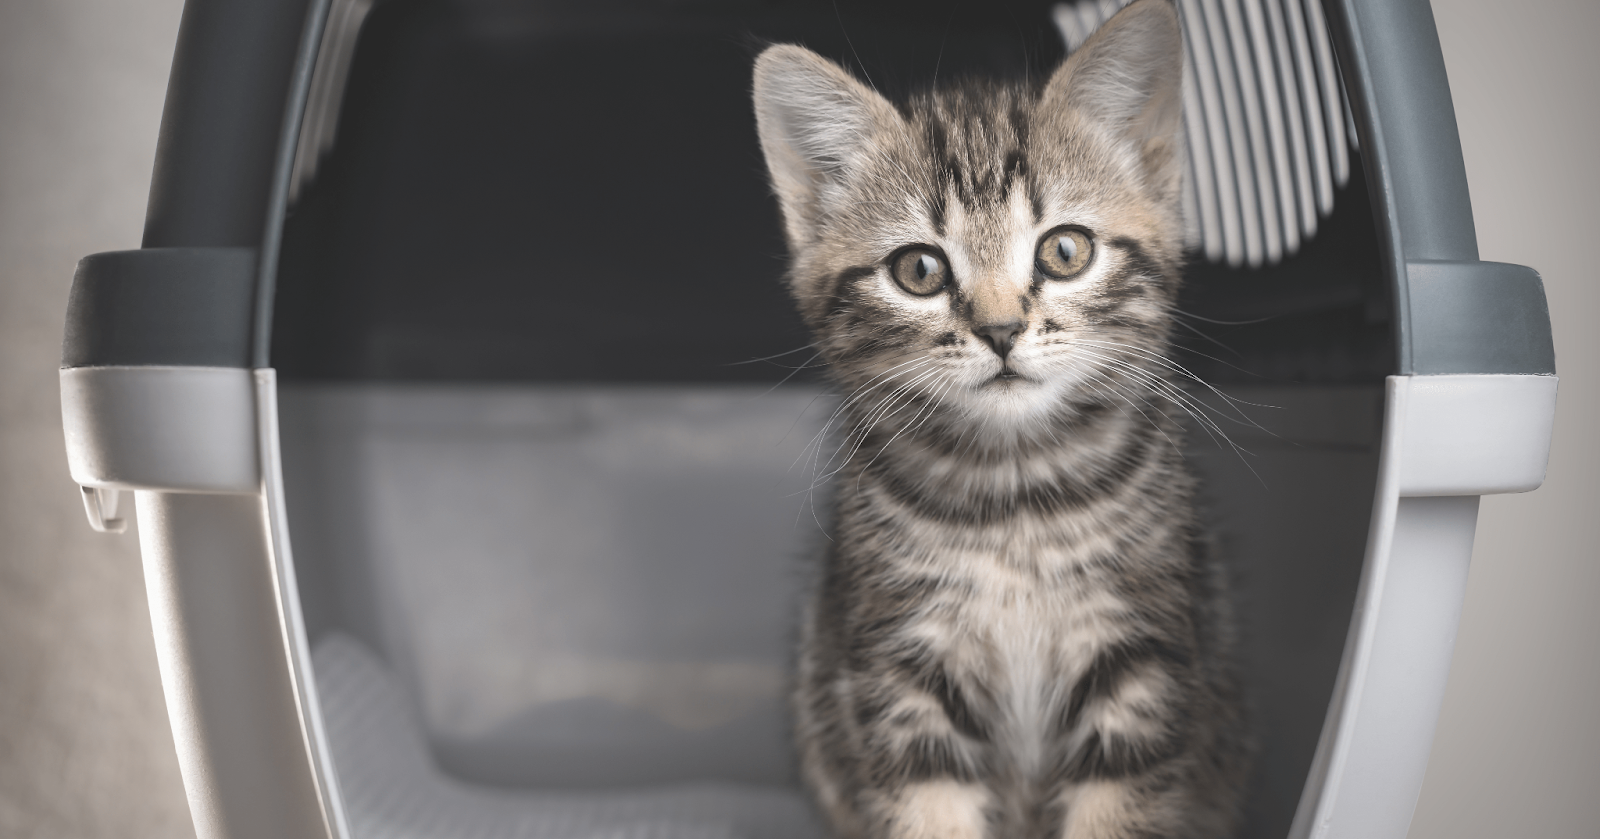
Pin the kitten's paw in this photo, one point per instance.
(938, 810)
(1123, 810)
(1098, 810)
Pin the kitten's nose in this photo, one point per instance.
(1000, 337)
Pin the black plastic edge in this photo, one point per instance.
(1479, 317)
(161, 306)
(1394, 71)
(229, 127)
(305, 63)
(222, 122)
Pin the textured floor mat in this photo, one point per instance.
(392, 790)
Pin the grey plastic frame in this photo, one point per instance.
(1453, 314)
(231, 644)
(166, 391)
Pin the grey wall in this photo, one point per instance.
(85, 749)
(1518, 748)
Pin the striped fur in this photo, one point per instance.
(1017, 632)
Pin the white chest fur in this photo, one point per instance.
(1024, 628)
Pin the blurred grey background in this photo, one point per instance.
(85, 748)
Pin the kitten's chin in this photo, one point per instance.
(1006, 405)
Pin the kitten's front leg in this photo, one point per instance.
(1136, 728)
(921, 755)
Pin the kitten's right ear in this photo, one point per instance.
(815, 122)
(1129, 77)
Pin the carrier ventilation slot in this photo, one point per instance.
(1267, 121)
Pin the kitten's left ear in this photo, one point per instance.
(815, 123)
(1129, 77)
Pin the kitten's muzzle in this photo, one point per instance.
(1000, 337)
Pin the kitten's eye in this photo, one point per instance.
(1063, 253)
(920, 271)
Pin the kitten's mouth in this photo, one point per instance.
(1006, 376)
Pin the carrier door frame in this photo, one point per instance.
(167, 392)
(1470, 413)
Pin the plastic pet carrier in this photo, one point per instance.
(456, 394)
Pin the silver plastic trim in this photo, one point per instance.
(175, 429)
(1373, 753)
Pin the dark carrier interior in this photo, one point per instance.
(537, 468)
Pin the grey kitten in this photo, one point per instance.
(1016, 631)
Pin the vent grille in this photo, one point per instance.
(1268, 123)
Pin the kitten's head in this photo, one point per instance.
(1001, 252)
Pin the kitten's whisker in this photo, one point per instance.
(801, 348)
(796, 424)
(949, 382)
(1157, 385)
(852, 44)
(845, 404)
(1160, 386)
(861, 393)
(889, 404)
(1173, 394)
(914, 424)
(1116, 400)
(1165, 388)
(1231, 401)
(1186, 372)
(780, 383)
(1197, 331)
(1130, 403)
(1167, 363)
(1252, 322)
(886, 377)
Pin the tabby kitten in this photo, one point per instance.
(1016, 632)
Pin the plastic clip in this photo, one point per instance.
(101, 504)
